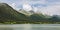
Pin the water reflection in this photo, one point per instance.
(30, 27)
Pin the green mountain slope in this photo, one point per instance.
(7, 13)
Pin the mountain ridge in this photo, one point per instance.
(8, 15)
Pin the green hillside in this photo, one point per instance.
(8, 14)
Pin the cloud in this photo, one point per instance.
(35, 9)
(53, 2)
(49, 7)
(27, 7)
(21, 2)
(51, 10)
(37, 2)
(13, 5)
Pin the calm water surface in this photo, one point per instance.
(30, 27)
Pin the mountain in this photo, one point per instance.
(8, 14)
(27, 13)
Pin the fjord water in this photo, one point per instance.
(30, 27)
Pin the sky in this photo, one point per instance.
(49, 7)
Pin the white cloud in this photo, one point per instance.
(13, 5)
(38, 1)
(27, 7)
(51, 10)
(53, 6)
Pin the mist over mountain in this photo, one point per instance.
(48, 10)
(8, 15)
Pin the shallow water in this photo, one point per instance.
(30, 27)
